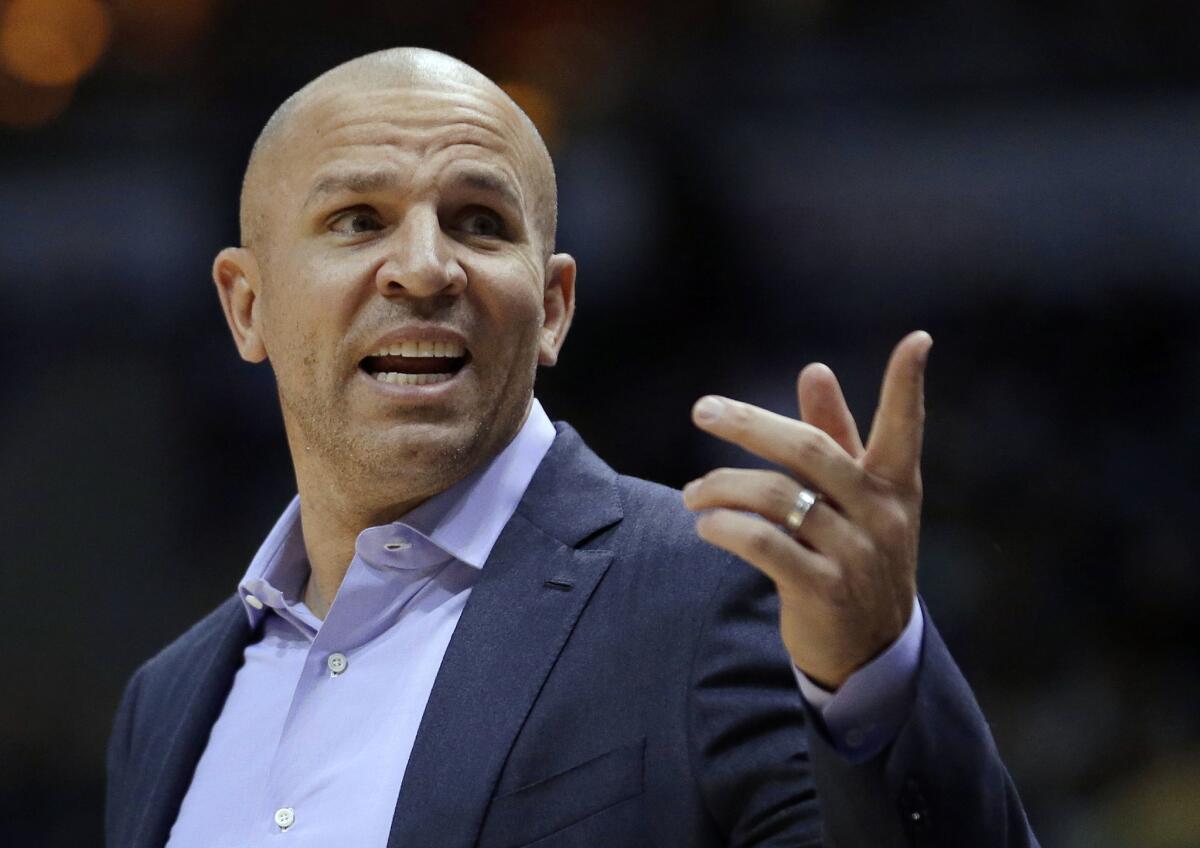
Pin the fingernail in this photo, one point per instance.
(707, 409)
(690, 488)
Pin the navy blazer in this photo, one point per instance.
(613, 681)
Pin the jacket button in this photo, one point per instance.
(914, 809)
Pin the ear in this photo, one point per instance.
(558, 302)
(235, 271)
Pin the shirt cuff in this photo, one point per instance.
(864, 715)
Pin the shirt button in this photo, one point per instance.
(254, 602)
(285, 817)
(337, 662)
(855, 738)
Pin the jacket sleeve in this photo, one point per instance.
(116, 815)
(746, 720)
(939, 783)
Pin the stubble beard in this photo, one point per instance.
(380, 468)
(373, 465)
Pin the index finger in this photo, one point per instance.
(894, 447)
(808, 452)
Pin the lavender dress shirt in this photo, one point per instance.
(312, 744)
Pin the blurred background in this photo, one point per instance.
(747, 187)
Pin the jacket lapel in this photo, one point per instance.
(532, 589)
(184, 719)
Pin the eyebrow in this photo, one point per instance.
(493, 184)
(366, 182)
(355, 182)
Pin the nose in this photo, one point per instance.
(419, 262)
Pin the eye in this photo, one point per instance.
(483, 222)
(353, 222)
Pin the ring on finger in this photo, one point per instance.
(804, 502)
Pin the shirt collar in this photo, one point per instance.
(464, 521)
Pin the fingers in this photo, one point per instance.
(808, 452)
(773, 496)
(846, 575)
(823, 406)
(764, 546)
(894, 447)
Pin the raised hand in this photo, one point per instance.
(845, 567)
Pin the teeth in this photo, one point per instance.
(412, 348)
(411, 379)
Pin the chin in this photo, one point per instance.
(408, 451)
(436, 454)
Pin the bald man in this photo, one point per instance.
(467, 630)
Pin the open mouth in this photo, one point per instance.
(416, 363)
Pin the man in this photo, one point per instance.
(467, 630)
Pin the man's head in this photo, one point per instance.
(399, 66)
(399, 205)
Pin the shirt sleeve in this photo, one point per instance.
(863, 716)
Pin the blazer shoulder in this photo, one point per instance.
(658, 513)
(200, 637)
(663, 532)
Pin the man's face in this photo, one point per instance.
(403, 301)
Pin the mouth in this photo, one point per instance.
(416, 363)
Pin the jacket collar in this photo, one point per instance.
(537, 581)
(573, 494)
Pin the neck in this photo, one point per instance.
(335, 508)
(331, 527)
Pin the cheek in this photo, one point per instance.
(511, 292)
(303, 313)
(332, 291)
(518, 320)
(319, 292)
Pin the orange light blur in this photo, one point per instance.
(52, 42)
(26, 106)
(539, 106)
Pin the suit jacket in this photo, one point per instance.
(613, 681)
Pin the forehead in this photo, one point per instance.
(411, 126)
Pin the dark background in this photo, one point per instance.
(747, 188)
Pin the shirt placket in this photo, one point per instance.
(390, 567)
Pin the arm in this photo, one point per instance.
(844, 566)
(939, 783)
(865, 714)
(120, 743)
(922, 752)
(746, 725)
